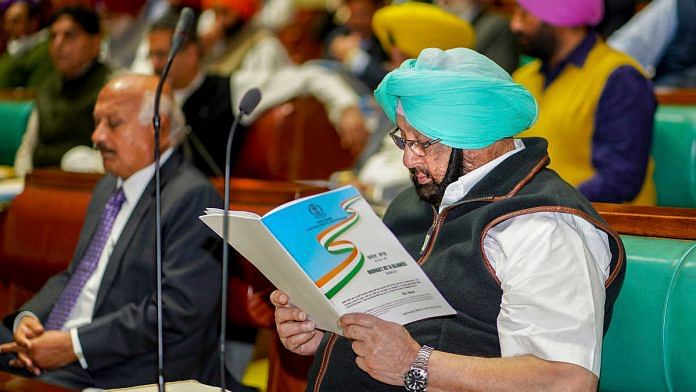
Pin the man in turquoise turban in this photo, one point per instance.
(528, 264)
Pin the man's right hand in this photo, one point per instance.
(297, 334)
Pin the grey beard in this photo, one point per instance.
(433, 192)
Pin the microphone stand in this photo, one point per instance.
(246, 106)
(180, 34)
(158, 235)
(225, 252)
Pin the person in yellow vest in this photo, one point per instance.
(596, 105)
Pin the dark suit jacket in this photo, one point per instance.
(208, 112)
(120, 344)
(495, 40)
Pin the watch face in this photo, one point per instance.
(416, 380)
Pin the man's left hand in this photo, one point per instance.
(384, 350)
(22, 360)
(352, 130)
(51, 350)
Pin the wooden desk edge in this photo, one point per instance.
(13, 383)
(665, 222)
(650, 221)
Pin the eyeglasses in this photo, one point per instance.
(417, 147)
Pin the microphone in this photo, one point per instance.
(183, 26)
(179, 37)
(249, 101)
(247, 104)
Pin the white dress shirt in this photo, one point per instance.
(646, 36)
(81, 314)
(552, 268)
(284, 83)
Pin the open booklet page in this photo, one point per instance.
(333, 255)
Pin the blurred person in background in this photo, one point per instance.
(662, 37)
(596, 104)
(355, 46)
(493, 36)
(234, 43)
(210, 101)
(26, 61)
(66, 96)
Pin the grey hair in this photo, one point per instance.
(168, 107)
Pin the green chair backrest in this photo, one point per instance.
(674, 153)
(14, 116)
(651, 341)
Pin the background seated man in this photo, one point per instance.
(65, 98)
(208, 100)
(355, 45)
(233, 42)
(596, 105)
(493, 36)
(94, 325)
(517, 251)
(662, 37)
(26, 60)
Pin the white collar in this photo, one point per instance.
(134, 186)
(460, 188)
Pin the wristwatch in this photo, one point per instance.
(416, 378)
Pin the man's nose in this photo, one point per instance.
(98, 133)
(410, 158)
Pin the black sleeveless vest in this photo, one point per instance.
(209, 114)
(453, 259)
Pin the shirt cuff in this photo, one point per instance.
(77, 348)
(20, 316)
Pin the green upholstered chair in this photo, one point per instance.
(14, 116)
(674, 153)
(651, 341)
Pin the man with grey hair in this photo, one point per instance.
(94, 325)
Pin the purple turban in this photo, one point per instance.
(566, 13)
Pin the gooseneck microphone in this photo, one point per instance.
(248, 103)
(180, 34)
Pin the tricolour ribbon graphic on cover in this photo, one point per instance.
(338, 277)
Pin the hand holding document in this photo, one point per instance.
(332, 255)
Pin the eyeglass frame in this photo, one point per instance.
(401, 143)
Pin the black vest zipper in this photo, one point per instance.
(437, 223)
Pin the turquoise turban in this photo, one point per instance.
(459, 96)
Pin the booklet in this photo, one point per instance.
(333, 255)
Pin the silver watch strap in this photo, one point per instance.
(422, 358)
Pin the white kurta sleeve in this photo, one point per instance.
(552, 268)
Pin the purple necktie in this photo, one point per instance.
(61, 310)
